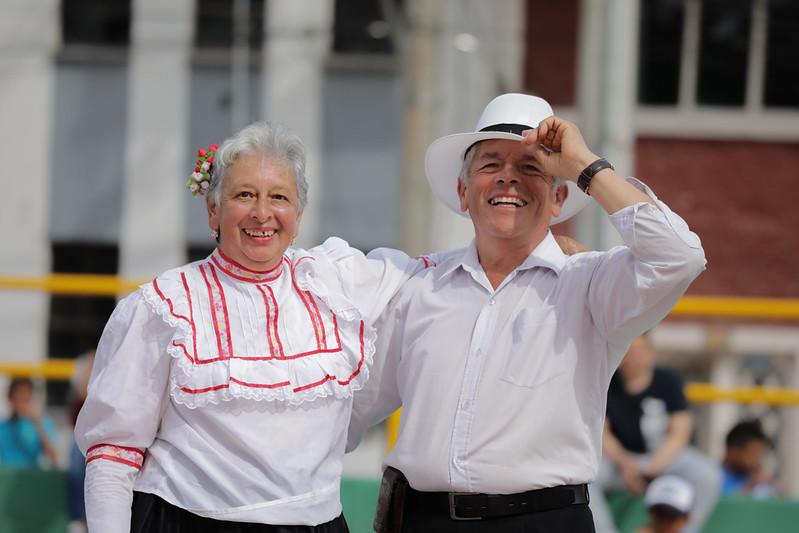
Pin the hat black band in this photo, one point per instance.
(516, 129)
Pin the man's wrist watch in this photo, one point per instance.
(584, 180)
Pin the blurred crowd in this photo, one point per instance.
(647, 449)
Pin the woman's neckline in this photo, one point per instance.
(242, 273)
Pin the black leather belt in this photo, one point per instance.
(472, 506)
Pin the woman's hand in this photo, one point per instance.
(570, 246)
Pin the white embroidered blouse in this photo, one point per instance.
(227, 392)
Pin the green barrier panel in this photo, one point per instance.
(731, 515)
(359, 498)
(33, 501)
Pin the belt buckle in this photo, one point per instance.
(452, 514)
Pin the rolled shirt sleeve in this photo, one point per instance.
(636, 285)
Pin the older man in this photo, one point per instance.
(502, 353)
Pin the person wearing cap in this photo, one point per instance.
(669, 500)
(648, 428)
(501, 354)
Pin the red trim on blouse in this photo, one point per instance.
(128, 448)
(261, 385)
(191, 312)
(360, 362)
(213, 312)
(114, 454)
(274, 322)
(115, 459)
(315, 318)
(206, 389)
(224, 309)
(268, 322)
(169, 303)
(287, 383)
(229, 267)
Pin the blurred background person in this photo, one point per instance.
(79, 384)
(27, 435)
(669, 500)
(647, 433)
(746, 447)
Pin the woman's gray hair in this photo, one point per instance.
(265, 139)
(467, 163)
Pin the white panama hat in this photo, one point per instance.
(505, 117)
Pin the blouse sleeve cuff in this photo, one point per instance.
(132, 457)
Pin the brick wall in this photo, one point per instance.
(550, 63)
(739, 198)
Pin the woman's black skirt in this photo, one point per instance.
(152, 514)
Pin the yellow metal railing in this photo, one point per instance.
(716, 306)
(52, 369)
(76, 284)
(724, 306)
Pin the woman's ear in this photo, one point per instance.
(213, 213)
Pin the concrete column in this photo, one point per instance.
(722, 415)
(30, 33)
(473, 36)
(607, 95)
(590, 94)
(153, 224)
(297, 43)
(788, 458)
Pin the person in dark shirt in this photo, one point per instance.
(647, 433)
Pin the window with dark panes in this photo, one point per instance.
(782, 63)
(723, 52)
(362, 26)
(215, 20)
(96, 22)
(76, 322)
(660, 48)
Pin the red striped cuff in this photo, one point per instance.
(121, 454)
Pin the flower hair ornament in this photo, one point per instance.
(200, 179)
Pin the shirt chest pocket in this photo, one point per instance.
(529, 355)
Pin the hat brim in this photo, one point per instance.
(444, 160)
(668, 509)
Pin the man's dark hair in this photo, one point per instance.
(745, 432)
(16, 383)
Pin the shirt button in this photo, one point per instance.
(467, 405)
(491, 301)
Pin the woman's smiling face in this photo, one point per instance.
(258, 214)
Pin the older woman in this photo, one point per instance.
(221, 391)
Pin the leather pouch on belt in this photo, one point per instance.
(390, 502)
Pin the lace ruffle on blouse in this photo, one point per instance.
(289, 334)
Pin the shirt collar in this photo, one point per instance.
(242, 273)
(547, 254)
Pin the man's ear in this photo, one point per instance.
(462, 195)
(561, 193)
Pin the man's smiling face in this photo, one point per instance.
(506, 194)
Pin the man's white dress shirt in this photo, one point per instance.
(227, 392)
(504, 390)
